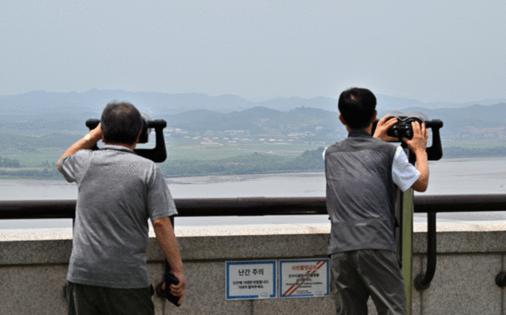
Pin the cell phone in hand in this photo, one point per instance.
(163, 288)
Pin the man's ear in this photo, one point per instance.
(138, 136)
(341, 119)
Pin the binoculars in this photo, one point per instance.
(402, 129)
(158, 153)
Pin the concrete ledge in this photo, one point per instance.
(35, 264)
(463, 242)
(35, 252)
(223, 242)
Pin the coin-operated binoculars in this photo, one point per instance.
(157, 154)
(402, 129)
(404, 205)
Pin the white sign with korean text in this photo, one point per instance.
(250, 280)
(304, 278)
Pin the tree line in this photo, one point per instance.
(256, 163)
(11, 163)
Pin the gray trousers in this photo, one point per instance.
(358, 275)
(93, 300)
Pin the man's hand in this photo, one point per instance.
(382, 127)
(96, 133)
(168, 243)
(86, 142)
(420, 136)
(178, 289)
(418, 145)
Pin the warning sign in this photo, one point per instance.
(304, 278)
(250, 280)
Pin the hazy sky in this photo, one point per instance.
(431, 50)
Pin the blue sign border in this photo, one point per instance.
(249, 262)
(281, 261)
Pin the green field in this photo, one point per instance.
(34, 157)
(216, 152)
(193, 159)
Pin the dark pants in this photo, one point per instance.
(363, 273)
(94, 300)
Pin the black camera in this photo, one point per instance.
(156, 154)
(402, 128)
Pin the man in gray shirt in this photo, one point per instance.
(363, 173)
(118, 191)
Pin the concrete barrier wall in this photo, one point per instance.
(32, 271)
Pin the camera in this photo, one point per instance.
(403, 129)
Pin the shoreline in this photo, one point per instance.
(255, 174)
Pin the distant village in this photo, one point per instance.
(232, 137)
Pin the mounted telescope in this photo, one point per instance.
(404, 205)
(157, 154)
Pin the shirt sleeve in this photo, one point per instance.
(404, 174)
(75, 166)
(159, 202)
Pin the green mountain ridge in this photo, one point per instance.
(202, 140)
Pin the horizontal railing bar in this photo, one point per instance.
(251, 206)
(37, 209)
(254, 206)
(460, 203)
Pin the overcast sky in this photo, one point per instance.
(431, 50)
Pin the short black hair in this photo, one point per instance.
(357, 107)
(121, 123)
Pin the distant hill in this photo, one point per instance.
(154, 103)
(235, 135)
(45, 114)
(258, 120)
(475, 115)
(475, 120)
(53, 119)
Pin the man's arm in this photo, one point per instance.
(86, 142)
(167, 240)
(418, 145)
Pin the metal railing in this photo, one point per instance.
(255, 206)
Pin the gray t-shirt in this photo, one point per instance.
(117, 192)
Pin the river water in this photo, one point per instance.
(451, 176)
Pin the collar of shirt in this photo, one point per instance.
(359, 133)
(116, 147)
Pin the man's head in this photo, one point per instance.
(357, 107)
(121, 123)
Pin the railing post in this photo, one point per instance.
(423, 280)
